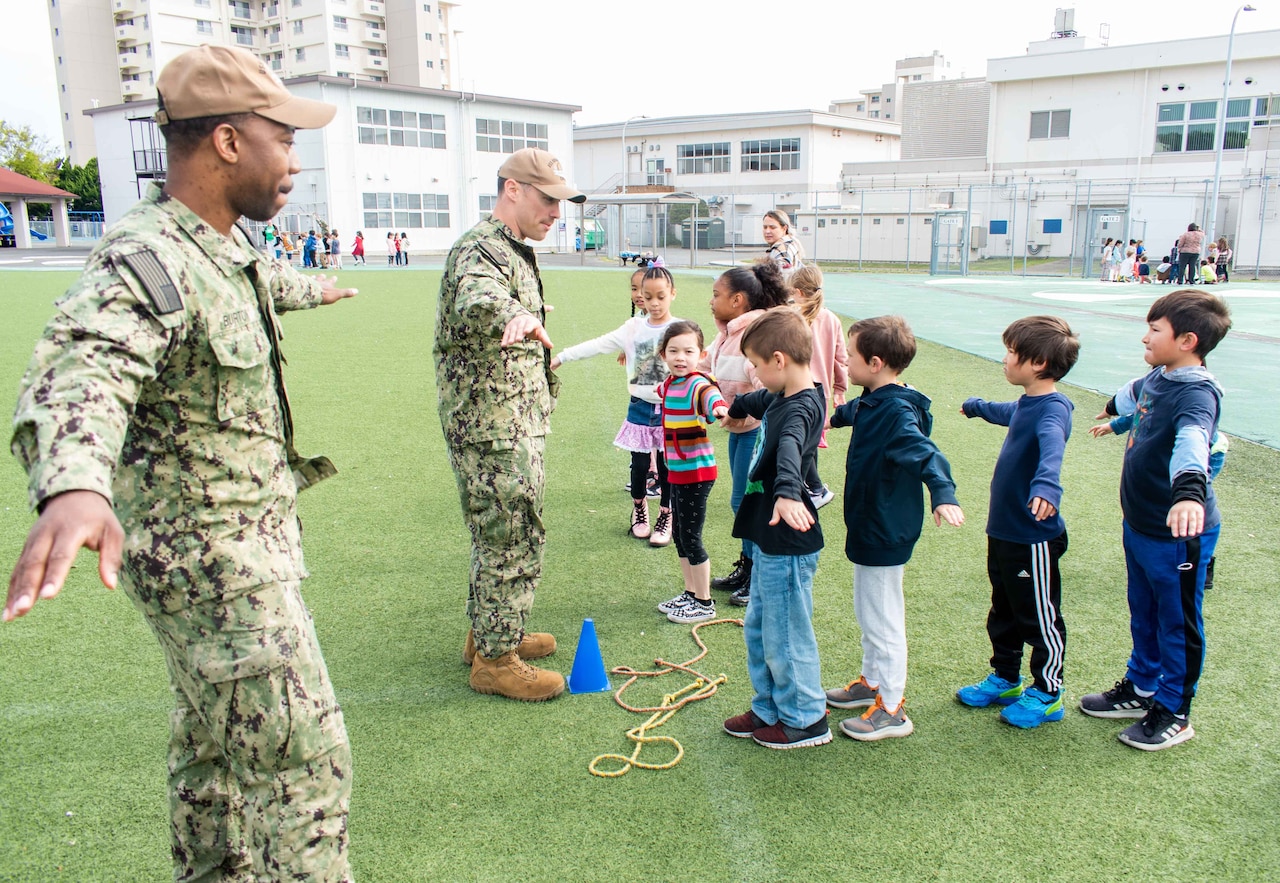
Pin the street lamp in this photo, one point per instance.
(624, 148)
(1220, 132)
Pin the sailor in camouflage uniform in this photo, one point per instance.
(157, 391)
(493, 370)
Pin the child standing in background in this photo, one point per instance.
(1026, 535)
(739, 297)
(638, 339)
(357, 248)
(690, 400)
(891, 424)
(830, 359)
(780, 521)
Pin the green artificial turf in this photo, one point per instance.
(450, 785)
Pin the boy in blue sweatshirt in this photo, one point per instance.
(1026, 535)
(890, 454)
(1171, 519)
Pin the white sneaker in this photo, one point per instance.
(681, 600)
(693, 611)
(821, 497)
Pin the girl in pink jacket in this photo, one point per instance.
(739, 297)
(830, 359)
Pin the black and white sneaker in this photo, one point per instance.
(821, 496)
(1122, 700)
(1161, 728)
(741, 596)
(681, 600)
(694, 611)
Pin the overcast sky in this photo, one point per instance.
(676, 57)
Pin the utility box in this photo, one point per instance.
(710, 232)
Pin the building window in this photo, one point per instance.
(1192, 126)
(341, 50)
(339, 22)
(300, 54)
(427, 37)
(204, 27)
(297, 25)
(273, 10)
(774, 155)
(206, 4)
(915, 78)
(426, 7)
(377, 53)
(508, 136)
(406, 211)
(703, 159)
(488, 204)
(239, 8)
(273, 35)
(875, 222)
(430, 64)
(1050, 124)
(243, 36)
(900, 221)
(875, 99)
(400, 128)
(296, 3)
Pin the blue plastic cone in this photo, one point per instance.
(588, 675)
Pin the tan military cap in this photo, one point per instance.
(542, 170)
(219, 80)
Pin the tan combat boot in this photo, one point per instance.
(511, 676)
(534, 645)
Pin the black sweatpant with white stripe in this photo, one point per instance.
(1026, 609)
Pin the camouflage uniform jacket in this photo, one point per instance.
(488, 391)
(170, 403)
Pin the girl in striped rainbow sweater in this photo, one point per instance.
(690, 399)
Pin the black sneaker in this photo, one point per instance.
(740, 597)
(1120, 701)
(738, 578)
(1161, 728)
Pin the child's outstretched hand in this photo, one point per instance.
(794, 513)
(720, 412)
(1100, 430)
(1042, 508)
(950, 514)
(556, 363)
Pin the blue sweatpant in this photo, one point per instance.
(1166, 597)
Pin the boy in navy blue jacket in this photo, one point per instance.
(890, 454)
(779, 517)
(1171, 519)
(1026, 535)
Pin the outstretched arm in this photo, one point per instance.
(69, 522)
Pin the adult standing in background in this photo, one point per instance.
(155, 428)
(1190, 244)
(497, 391)
(784, 249)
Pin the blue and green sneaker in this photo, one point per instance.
(993, 690)
(1033, 709)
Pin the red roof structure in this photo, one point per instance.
(13, 184)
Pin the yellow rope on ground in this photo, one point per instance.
(703, 687)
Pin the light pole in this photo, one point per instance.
(1220, 131)
(624, 148)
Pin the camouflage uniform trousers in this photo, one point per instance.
(259, 765)
(500, 484)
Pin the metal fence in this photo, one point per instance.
(1022, 226)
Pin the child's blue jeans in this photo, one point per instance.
(782, 652)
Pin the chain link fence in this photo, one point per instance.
(1021, 227)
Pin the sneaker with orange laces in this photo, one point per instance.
(879, 723)
(858, 694)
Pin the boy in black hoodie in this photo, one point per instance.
(779, 518)
(890, 454)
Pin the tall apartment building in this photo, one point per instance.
(109, 52)
(885, 102)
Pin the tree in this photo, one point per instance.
(83, 181)
(25, 152)
(677, 214)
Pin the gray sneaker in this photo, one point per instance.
(858, 694)
(878, 723)
(1121, 701)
